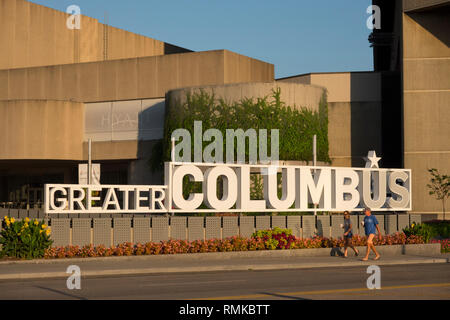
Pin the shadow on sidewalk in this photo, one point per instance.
(336, 251)
(283, 296)
(62, 293)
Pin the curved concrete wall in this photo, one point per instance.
(40, 129)
(293, 94)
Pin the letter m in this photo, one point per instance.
(235, 310)
(315, 188)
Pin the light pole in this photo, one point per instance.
(315, 164)
(89, 161)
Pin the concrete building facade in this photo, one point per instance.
(354, 113)
(401, 110)
(61, 87)
(426, 104)
(33, 35)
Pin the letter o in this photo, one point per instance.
(229, 188)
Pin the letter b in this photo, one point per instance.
(251, 309)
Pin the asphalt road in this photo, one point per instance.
(425, 281)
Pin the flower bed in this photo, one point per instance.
(445, 245)
(226, 245)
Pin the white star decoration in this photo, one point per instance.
(372, 160)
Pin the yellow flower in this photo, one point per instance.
(6, 218)
(413, 225)
(8, 223)
(44, 226)
(36, 222)
(13, 220)
(27, 220)
(48, 231)
(26, 225)
(40, 231)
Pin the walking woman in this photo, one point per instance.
(348, 234)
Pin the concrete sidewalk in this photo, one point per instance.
(203, 262)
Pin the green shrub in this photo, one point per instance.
(24, 239)
(297, 126)
(440, 228)
(424, 230)
(430, 229)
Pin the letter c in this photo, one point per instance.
(194, 200)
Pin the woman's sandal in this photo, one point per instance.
(376, 258)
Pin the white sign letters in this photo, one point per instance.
(329, 188)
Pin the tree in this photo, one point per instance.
(439, 186)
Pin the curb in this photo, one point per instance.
(246, 267)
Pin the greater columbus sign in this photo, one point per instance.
(330, 189)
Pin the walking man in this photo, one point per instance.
(370, 225)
